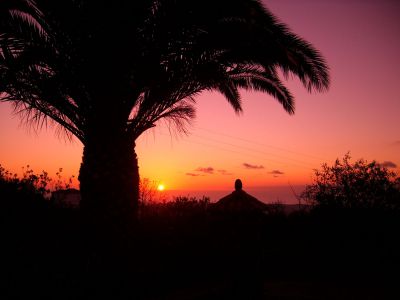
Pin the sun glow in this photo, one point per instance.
(161, 187)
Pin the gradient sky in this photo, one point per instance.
(264, 146)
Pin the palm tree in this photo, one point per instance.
(107, 72)
(20, 20)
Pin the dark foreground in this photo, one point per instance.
(186, 251)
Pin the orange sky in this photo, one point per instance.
(360, 114)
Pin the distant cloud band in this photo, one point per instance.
(396, 143)
(208, 170)
(202, 171)
(254, 167)
(276, 172)
(389, 165)
(192, 174)
(224, 172)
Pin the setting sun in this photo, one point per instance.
(160, 187)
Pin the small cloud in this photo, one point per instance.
(254, 167)
(208, 170)
(388, 165)
(224, 172)
(396, 143)
(276, 173)
(192, 174)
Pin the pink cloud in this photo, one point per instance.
(208, 170)
(250, 166)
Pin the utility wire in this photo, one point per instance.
(262, 154)
(260, 144)
(254, 150)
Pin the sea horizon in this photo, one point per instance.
(270, 194)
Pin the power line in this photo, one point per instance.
(260, 144)
(245, 154)
(254, 150)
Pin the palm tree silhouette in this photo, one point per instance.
(107, 72)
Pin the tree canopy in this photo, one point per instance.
(360, 184)
(138, 62)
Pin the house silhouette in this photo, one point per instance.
(240, 202)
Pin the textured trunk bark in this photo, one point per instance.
(109, 180)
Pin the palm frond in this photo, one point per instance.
(231, 93)
(138, 62)
(179, 115)
(34, 91)
(251, 78)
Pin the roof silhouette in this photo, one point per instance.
(240, 201)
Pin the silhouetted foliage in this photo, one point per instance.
(22, 195)
(276, 208)
(355, 185)
(179, 207)
(181, 250)
(147, 191)
(38, 183)
(121, 67)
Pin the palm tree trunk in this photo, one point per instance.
(109, 181)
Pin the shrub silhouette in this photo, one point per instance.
(31, 187)
(361, 184)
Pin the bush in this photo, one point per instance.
(29, 186)
(361, 184)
